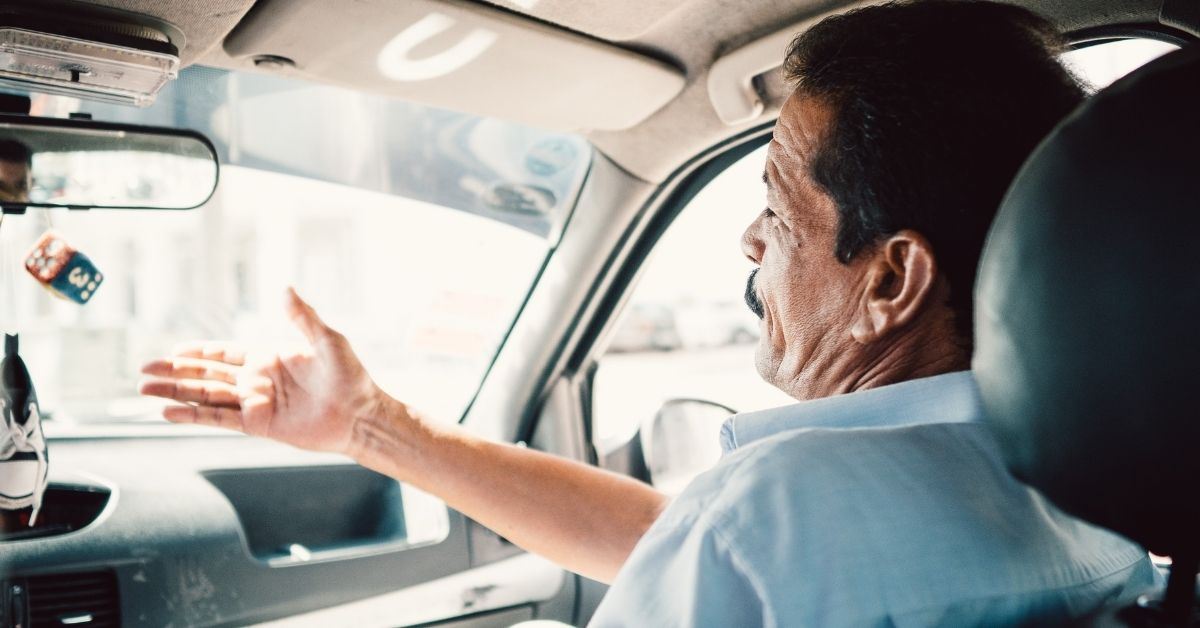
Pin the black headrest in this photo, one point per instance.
(1088, 310)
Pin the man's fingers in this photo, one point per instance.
(192, 368)
(227, 418)
(210, 350)
(305, 318)
(204, 392)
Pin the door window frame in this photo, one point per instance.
(660, 213)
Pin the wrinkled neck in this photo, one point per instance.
(929, 346)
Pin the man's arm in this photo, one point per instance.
(583, 518)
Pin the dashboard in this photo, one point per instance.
(229, 530)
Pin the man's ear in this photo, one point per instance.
(900, 278)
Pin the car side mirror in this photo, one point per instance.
(682, 441)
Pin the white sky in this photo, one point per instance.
(700, 256)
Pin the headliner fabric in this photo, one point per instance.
(689, 34)
(614, 20)
(703, 30)
(635, 20)
(204, 22)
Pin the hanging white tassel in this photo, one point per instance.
(21, 439)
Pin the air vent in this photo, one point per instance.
(79, 599)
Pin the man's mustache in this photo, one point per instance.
(752, 300)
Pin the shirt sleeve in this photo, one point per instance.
(683, 574)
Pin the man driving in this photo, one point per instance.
(879, 498)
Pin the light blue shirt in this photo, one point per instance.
(887, 507)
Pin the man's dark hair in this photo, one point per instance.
(15, 152)
(936, 104)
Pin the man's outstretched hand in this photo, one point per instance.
(311, 399)
(321, 398)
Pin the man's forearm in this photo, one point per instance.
(583, 518)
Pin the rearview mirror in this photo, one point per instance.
(78, 164)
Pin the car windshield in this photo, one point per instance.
(417, 232)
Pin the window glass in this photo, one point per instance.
(1102, 63)
(417, 232)
(686, 331)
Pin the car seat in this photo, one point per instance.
(1088, 321)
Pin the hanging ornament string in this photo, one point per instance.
(8, 276)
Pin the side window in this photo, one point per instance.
(1100, 64)
(686, 331)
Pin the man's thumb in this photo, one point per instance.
(305, 317)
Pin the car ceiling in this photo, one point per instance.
(631, 75)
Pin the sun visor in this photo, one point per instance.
(457, 55)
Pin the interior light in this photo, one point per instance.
(85, 69)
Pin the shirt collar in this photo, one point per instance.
(947, 398)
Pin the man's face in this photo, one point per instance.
(805, 297)
(14, 182)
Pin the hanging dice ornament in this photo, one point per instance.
(62, 270)
(24, 461)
